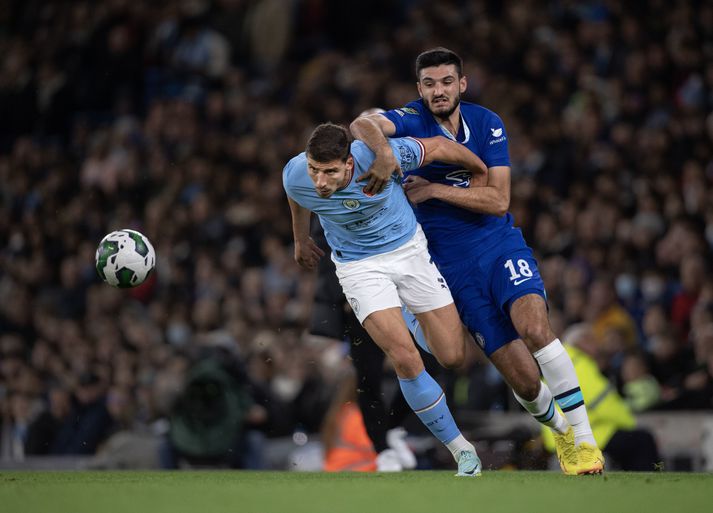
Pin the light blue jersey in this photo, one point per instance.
(357, 225)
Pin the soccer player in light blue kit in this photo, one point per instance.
(489, 267)
(382, 261)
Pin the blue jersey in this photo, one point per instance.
(485, 261)
(454, 233)
(355, 225)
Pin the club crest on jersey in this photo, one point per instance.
(354, 304)
(407, 155)
(480, 339)
(460, 178)
(351, 204)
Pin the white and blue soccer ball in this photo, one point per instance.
(125, 258)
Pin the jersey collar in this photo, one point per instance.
(466, 130)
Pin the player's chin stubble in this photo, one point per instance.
(447, 113)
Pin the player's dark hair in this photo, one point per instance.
(329, 142)
(436, 57)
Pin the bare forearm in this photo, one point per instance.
(444, 150)
(307, 253)
(300, 229)
(300, 222)
(484, 200)
(371, 134)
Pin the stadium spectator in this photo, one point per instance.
(692, 268)
(613, 326)
(641, 390)
(695, 391)
(88, 422)
(347, 447)
(43, 430)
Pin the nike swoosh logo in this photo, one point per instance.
(518, 282)
(470, 472)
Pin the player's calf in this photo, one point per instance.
(445, 335)
(451, 357)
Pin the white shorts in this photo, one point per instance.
(405, 276)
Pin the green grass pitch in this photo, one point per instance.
(408, 492)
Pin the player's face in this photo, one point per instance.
(328, 177)
(441, 87)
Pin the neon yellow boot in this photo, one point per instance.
(591, 459)
(567, 452)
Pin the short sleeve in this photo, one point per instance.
(290, 176)
(286, 182)
(407, 120)
(495, 142)
(409, 152)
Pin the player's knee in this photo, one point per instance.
(406, 360)
(451, 358)
(537, 335)
(528, 388)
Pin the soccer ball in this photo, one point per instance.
(125, 258)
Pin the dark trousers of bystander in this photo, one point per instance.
(634, 450)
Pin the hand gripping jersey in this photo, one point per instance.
(455, 233)
(356, 225)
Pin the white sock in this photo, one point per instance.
(558, 371)
(542, 408)
(459, 444)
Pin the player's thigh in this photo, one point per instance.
(517, 288)
(490, 327)
(530, 318)
(514, 274)
(445, 334)
(367, 286)
(420, 284)
(519, 369)
(388, 330)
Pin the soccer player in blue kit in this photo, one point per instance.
(491, 271)
(382, 261)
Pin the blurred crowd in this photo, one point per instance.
(175, 118)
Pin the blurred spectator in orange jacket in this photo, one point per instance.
(347, 447)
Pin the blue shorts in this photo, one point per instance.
(485, 286)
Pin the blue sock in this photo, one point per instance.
(427, 400)
(415, 328)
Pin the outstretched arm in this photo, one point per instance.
(373, 130)
(444, 150)
(307, 253)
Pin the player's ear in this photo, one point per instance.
(350, 162)
(418, 86)
(463, 83)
